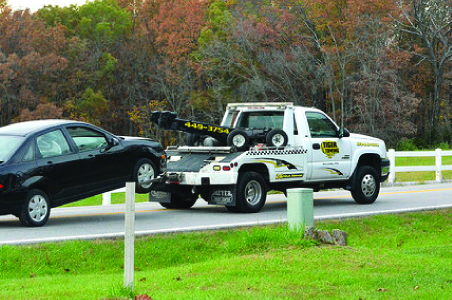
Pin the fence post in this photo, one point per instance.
(438, 161)
(129, 235)
(391, 157)
(106, 199)
(300, 208)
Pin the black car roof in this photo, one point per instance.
(28, 127)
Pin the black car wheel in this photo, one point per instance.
(145, 171)
(35, 210)
(179, 202)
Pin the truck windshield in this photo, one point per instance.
(261, 120)
(8, 145)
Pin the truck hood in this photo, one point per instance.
(365, 138)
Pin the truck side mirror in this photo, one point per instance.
(344, 133)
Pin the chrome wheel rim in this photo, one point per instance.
(368, 185)
(145, 175)
(238, 140)
(253, 192)
(278, 140)
(37, 208)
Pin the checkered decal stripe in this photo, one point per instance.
(277, 152)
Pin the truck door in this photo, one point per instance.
(330, 156)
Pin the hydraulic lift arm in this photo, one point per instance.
(169, 121)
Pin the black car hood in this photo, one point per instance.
(131, 140)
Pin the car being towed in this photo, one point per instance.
(48, 163)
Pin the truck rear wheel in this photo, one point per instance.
(178, 202)
(367, 185)
(251, 193)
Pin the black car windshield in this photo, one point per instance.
(8, 145)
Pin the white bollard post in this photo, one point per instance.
(106, 199)
(391, 157)
(129, 236)
(438, 162)
(300, 208)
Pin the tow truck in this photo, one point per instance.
(266, 146)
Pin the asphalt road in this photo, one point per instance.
(151, 218)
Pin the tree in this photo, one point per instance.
(429, 22)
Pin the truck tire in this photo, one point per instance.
(251, 193)
(276, 138)
(367, 185)
(239, 139)
(35, 210)
(178, 202)
(144, 171)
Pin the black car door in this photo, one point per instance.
(59, 165)
(103, 163)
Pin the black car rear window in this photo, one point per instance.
(9, 145)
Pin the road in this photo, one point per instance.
(151, 218)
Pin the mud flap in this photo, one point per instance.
(158, 196)
(223, 195)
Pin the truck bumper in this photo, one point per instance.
(384, 163)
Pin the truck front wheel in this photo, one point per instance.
(367, 185)
(251, 193)
(178, 202)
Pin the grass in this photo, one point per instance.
(406, 256)
(421, 176)
(116, 198)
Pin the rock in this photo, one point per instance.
(310, 233)
(339, 237)
(325, 237)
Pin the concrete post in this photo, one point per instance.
(129, 236)
(300, 208)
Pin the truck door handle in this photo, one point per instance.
(316, 146)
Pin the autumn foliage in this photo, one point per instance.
(378, 66)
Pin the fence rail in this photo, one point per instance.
(437, 168)
(392, 154)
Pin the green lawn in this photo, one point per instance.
(421, 176)
(406, 256)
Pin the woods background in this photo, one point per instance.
(382, 67)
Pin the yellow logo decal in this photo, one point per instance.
(284, 176)
(330, 148)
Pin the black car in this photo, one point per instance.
(48, 163)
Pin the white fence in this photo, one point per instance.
(392, 154)
(437, 168)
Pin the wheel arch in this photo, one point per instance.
(257, 168)
(369, 159)
(42, 184)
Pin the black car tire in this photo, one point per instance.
(194, 139)
(178, 202)
(367, 185)
(239, 139)
(251, 193)
(276, 138)
(35, 210)
(144, 171)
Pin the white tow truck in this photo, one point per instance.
(266, 146)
